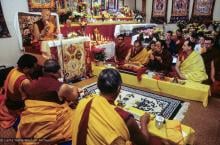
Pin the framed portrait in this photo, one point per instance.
(159, 11)
(37, 5)
(25, 29)
(203, 10)
(180, 10)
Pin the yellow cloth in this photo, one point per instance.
(105, 125)
(141, 58)
(193, 68)
(13, 76)
(190, 90)
(45, 120)
(172, 130)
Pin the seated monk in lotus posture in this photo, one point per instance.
(138, 54)
(44, 29)
(121, 50)
(47, 114)
(191, 66)
(160, 59)
(100, 122)
(12, 104)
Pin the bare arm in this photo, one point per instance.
(138, 136)
(36, 32)
(24, 87)
(128, 56)
(212, 71)
(178, 70)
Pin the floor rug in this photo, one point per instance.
(155, 104)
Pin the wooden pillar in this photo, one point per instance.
(135, 5)
(144, 6)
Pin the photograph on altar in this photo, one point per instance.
(4, 33)
(38, 5)
(27, 22)
(159, 11)
(203, 9)
(132, 99)
(180, 10)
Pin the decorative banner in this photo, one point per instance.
(203, 10)
(180, 10)
(103, 6)
(159, 11)
(4, 33)
(37, 5)
(75, 57)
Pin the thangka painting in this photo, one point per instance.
(112, 4)
(103, 4)
(203, 10)
(26, 24)
(38, 5)
(180, 10)
(159, 11)
(4, 33)
(75, 63)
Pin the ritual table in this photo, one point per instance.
(106, 29)
(190, 90)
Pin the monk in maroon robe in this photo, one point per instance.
(121, 50)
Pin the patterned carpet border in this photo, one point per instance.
(153, 103)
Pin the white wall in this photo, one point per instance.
(139, 5)
(130, 3)
(9, 47)
(216, 13)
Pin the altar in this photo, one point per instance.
(107, 28)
